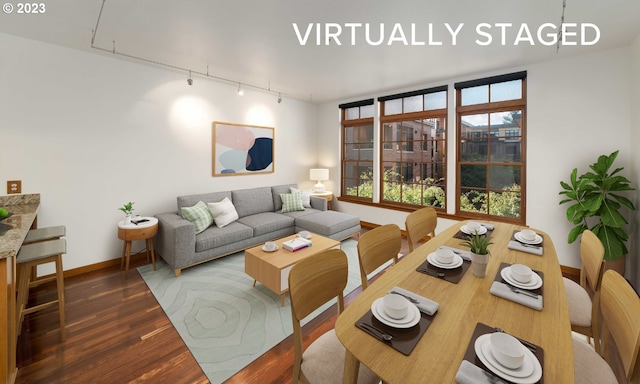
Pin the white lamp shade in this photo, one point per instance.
(319, 174)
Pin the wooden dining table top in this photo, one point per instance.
(439, 353)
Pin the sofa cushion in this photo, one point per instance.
(216, 237)
(199, 215)
(191, 200)
(224, 213)
(327, 223)
(252, 201)
(267, 222)
(291, 202)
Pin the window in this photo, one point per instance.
(413, 143)
(357, 148)
(490, 158)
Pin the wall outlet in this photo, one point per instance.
(14, 186)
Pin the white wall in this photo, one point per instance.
(91, 132)
(578, 108)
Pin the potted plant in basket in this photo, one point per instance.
(128, 210)
(595, 204)
(479, 246)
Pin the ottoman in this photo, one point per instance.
(331, 224)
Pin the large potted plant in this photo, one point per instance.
(479, 247)
(596, 204)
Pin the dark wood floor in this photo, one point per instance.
(117, 333)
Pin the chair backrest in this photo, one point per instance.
(419, 224)
(620, 308)
(592, 256)
(376, 247)
(312, 282)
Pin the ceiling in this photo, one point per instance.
(254, 41)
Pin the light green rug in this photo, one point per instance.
(226, 322)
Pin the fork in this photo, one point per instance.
(526, 293)
(383, 335)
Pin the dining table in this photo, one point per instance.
(463, 306)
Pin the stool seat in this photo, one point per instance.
(35, 251)
(29, 257)
(47, 233)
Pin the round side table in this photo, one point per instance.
(325, 195)
(141, 231)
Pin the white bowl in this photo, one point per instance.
(473, 226)
(507, 350)
(395, 306)
(270, 246)
(304, 234)
(521, 273)
(528, 234)
(444, 255)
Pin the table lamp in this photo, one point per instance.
(319, 174)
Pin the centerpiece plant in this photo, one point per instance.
(479, 247)
(595, 203)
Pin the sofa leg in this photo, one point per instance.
(177, 272)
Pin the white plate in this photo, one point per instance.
(412, 318)
(433, 260)
(535, 283)
(266, 250)
(481, 230)
(518, 376)
(519, 237)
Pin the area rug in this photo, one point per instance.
(226, 322)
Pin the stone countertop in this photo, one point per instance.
(14, 229)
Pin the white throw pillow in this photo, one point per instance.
(306, 196)
(224, 213)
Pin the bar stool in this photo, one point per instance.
(29, 257)
(43, 234)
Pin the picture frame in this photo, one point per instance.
(242, 149)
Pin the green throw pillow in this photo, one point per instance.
(199, 215)
(291, 202)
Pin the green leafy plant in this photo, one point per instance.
(479, 244)
(593, 200)
(127, 208)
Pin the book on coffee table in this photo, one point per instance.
(296, 244)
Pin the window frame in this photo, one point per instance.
(488, 108)
(355, 123)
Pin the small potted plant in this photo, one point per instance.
(479, 246)
(128, 210)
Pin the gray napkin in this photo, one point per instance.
(489, 226)
(425, 305)
(464, 254)
(468, 373)
(503, 290)
(525, 248)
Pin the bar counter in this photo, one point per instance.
(13, 230)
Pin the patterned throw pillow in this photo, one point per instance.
(306, 196)
(199, 215)
(291, 202)
(224, 213)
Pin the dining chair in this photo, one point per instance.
(313, 282)
(376, 247)
(419, 224)
(583, 298)
(620, 307)
(589, 367)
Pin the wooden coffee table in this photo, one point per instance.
(272, 268)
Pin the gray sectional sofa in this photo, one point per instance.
(260, 219)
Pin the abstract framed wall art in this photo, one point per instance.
(240, 149)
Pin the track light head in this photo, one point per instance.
(240, 90)
(279, 98)
(190, 80)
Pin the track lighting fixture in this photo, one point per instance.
(190, 80)
(279, 98)
(240, 90)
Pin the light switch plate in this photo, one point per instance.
(14, 186)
